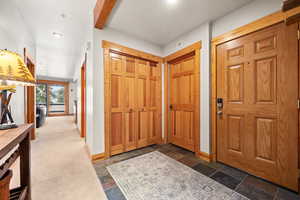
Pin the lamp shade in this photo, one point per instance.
(13, 70)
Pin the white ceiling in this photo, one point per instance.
(155, 21)
(160, 22)
(57, 57)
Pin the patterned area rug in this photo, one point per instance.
(155, 176)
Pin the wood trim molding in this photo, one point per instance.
(29, 97)
(259, 24)
(290, 4)
(204, 156)
(195, 49)
(182, 52)
(102, 11)
(98, 157)
(293, 19)
(130, 51)
(52, 82)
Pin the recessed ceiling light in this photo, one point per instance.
(57, 35)
(172, 1)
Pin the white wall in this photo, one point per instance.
(249, 13)
(202, 33)
(123, 39)
(15, 36)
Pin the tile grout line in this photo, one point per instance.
(276, 194)
(240, 183)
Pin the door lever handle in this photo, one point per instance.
(220, 112)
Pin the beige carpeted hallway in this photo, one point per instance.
(61, 169)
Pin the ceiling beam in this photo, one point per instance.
(290, 4)
(102, 11)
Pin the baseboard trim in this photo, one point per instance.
(161, 141)
(98, 157)
(204, 156)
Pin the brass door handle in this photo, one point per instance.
(220, 112)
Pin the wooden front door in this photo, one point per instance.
(257, 125)
(184, 98)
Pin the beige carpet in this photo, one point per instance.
(61, 169)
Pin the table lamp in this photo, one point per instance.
(13, 72)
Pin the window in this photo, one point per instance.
(41, 96)
(57, 99)
(53, 96)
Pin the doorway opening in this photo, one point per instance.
(182, 94)
(30, 113)
(83, 98)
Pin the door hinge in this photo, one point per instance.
(298, 33)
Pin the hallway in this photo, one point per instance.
(61, 168)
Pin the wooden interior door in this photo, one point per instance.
(183, 102)
(83, 100)
(143, 69)
(257, 127)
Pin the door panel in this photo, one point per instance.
(129, 129)
(142, 92)
(116, 133)
(183, 100)
(116, 93)
(143, 129)
(258, 124)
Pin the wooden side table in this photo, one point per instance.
(17, 140)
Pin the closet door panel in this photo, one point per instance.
(141, 92)
(116, 95)
(143, 128)
(154, 103)
(116, 133)
(130, 138)
(129, 94)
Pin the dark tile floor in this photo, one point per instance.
(247, 185)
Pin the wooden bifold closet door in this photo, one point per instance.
(133, 107)
(257, 125)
